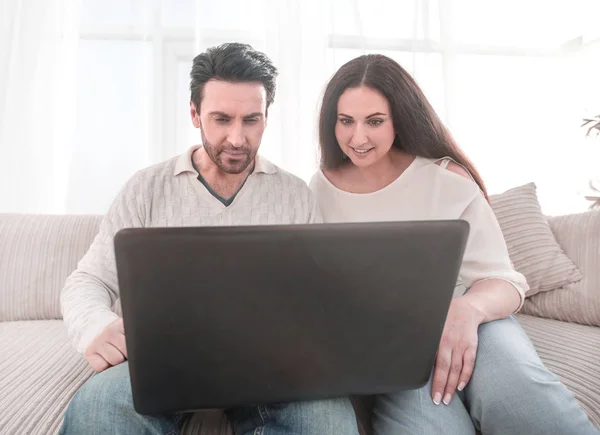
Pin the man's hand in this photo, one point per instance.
(107, 349)
(455, 359)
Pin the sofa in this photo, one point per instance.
(40, 371)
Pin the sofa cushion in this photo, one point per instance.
(39, 373)
(579, 236)
(37, 253)
(531, 244)
(572, 352)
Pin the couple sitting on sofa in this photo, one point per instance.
(385, 156)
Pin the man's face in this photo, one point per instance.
(232, 119)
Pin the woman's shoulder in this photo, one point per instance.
(452, 166)
(456, 180)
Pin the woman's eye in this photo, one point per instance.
(375, 122)
(346, 121)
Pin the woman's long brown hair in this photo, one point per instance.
(420, 131)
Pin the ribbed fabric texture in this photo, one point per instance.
(579, 236)
(39, 373)
(531, 244)
(572, 352)
(37, 253)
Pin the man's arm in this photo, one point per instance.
(92, 289)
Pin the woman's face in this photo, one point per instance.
(364, 128)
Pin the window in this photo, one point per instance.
(508, 93)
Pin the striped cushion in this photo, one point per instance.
(39, 373)
(579, 236)
(572, 352)
(37, 253)
(532, 247)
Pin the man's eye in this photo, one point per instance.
(223, 120)
(251, 121)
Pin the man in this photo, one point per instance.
(222, 182)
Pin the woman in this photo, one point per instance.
(387, 156)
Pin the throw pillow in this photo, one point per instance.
(579, 235)
(531, 244)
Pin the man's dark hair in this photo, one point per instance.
(232, 62)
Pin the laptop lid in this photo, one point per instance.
(219, 317)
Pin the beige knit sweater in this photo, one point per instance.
(170, 195)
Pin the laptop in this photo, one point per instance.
(221, 317)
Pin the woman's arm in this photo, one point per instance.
(486, 300)
(494, 299)
(495, 290)
(487, 269)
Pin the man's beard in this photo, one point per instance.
(225, 163)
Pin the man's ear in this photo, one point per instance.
(194, 114)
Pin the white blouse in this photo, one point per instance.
(428, 191)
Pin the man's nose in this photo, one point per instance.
(236, 135)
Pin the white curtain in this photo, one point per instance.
(93, 90)
(37, 111)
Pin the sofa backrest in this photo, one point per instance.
(37, 254)
(579, 237)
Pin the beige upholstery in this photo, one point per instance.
(37, 253)
(579, 236)
(40, 371)
(531, 244)
(572, 352)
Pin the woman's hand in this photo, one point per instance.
(455, 359)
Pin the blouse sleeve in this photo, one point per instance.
(486, 254)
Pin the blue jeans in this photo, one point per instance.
(510, 393)
(104, 405)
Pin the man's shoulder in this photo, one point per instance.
(158, 170)
(290, 178)
(283, 187)
(150, 175)
(281, 178)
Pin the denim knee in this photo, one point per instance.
(102, 398)
(322, 417)
(333, 416)
(104, 405)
